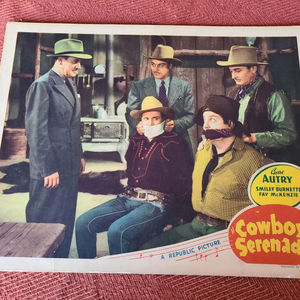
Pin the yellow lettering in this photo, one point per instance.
(295, 247)
(289, 228)
(251, 228)
(287, 247)
(277, 227)
(266, 246)
(258, 245)
(239, 245)
(275, 245)
(238, 228)
(263, 227)
(251, 246)
(298, 230)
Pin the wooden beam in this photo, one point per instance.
(295, 102)
(22, 75)
(46, 49)
(191, 52)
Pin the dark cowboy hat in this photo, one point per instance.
(224, 106)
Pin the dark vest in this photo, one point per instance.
(256, 115)
(257, 119)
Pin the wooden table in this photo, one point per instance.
(30, 239)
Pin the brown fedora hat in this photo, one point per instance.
(164, 53)
(150, 103)
(241, 56)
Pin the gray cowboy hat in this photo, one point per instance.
(150, 103)
(164, 53)
(241, 56)
(70, 47)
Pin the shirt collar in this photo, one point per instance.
(64, 79)
(158, 81)
(248, 88)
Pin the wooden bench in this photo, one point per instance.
(30, 239)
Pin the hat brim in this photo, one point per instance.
(167, 111)
(223, 63)
(174, 60)
(198, 118)
(76, 55)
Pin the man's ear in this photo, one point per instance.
(59, 60)
(253, 69)
(230, 124)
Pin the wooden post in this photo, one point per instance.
(262, 56)
(109, 93)
(145, 50)
(37, 63)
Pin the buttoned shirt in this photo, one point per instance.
(162, 164)
(227, 189)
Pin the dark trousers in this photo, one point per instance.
(57, 205)
(182, 233)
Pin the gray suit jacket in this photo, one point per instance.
(52, 123)
(180, 98)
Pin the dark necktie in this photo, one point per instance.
(68, 84)
(162, 97)
(210, 167)
(73, 99)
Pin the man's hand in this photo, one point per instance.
(51, 181)
(169, 125)
(139, 128)
(249, 139)
(82, 165)
(167, 227)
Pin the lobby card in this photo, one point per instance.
(262, 239)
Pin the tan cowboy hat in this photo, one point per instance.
(150, 103)
(241, 56)
(164, 53)
(70, 47)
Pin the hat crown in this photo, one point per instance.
(150, 102)
(243, 54)
(68, 46)
(163, 52)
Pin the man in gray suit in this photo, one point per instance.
(171, 91)
(52, 123)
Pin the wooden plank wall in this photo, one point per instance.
(205, 80)
(190, 75)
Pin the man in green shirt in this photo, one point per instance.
(264, 111)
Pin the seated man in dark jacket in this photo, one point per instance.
(159, 172)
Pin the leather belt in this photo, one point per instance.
(211, 221)
(145, 195)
